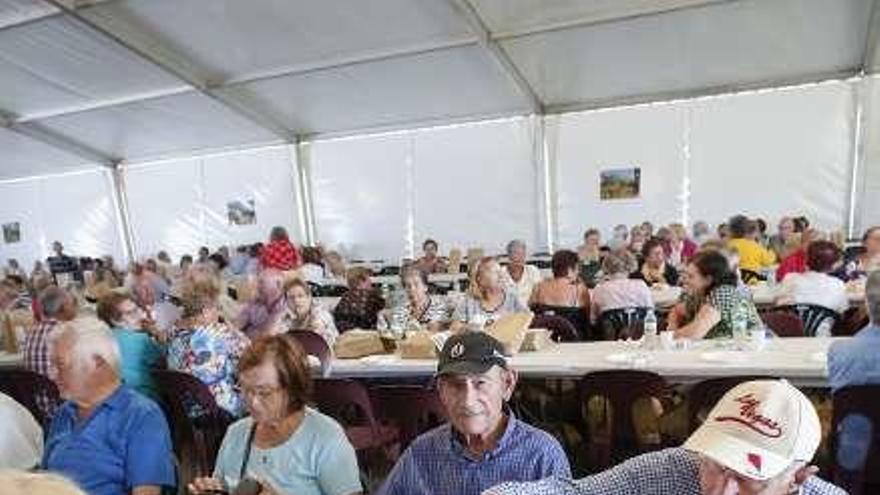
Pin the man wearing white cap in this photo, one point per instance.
(758, 440)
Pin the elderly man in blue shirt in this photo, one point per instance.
(853, 362)
(106, 437)
(483, 444)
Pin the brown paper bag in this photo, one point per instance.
(358, 343)
(536, 339)
(510, 330)
(417, 345)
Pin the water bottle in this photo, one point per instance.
(824, 329)
(386, 296)
(740, 322)
(650, 333)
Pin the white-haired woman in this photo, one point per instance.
(487, 299)
(520, 277)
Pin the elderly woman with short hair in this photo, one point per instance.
(304, 313)
(360, 306)
(423, 310)
(617, 290)
(284, 444)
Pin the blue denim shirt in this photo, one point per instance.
(438, 462)
(855, 361)
(123, 444)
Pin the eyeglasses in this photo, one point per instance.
(261, 393)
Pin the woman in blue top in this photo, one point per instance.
(284, 445)
(140, 345)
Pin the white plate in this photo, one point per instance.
(728, 357)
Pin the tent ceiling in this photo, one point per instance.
(134, 79)
(23, 156)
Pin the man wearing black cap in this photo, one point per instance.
(483, 443)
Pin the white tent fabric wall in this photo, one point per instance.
(471, 185)
(773, 153)
(650, 137)
(181, 205)
(867, 194)
(76, 209)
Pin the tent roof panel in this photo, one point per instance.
(53, 64)
(161, 126)
(22, 157)
(726, 44)
(437, 85)
(236, 39)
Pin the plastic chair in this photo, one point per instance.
(623, 323)
(561, 329)
(349, 402)
(412, 409)
(196, 421)
(577, 317)
(314, 345)
(813, 316)
(37, 393)
(705, 394)
(861, 400)
(784, 323)
(621, 388)
(332, 290)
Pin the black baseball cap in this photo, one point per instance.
(470, 353)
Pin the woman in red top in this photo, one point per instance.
(280, 253)
(796, 262)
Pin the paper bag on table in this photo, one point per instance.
(511, 330)
(536, 340)
(358, 343)
(418, 345)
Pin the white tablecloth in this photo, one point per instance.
(800, 360)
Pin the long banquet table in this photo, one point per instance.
(800, 360)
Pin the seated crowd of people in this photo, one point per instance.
(110, 434)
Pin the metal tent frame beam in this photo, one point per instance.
(53, 139)
(199, 84)
(869, 58)
(469, 13)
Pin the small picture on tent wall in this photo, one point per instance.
(11, 232)
(241, 212)
(620, 183)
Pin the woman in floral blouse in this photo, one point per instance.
(207, 348)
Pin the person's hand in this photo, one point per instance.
(205, 485)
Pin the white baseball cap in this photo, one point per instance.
(758, 429)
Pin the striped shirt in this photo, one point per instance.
(664, 472)
(37, 359)
(437, 463)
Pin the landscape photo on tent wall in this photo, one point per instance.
(620, 183)
(241, 212)
(11, 232)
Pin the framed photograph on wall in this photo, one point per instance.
(11, 232)
(241, 212)
(620, 183)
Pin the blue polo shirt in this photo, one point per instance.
(438, 462)
(124, 443)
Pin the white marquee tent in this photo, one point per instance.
(126, 126)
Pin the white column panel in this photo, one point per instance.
(361, 200)
(264, 176)
(867, 207)
(165, 206)
(650, 137)
(773, 153)
(476, 185)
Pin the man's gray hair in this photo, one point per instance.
(90, 338)
(516, 243)
(52, 300)
(872, 296)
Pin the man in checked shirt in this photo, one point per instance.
(758, 440)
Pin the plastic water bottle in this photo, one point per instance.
(824, 329)
(740, 322)
(650, 333)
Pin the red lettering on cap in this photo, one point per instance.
(751, 418)
(755, 460)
